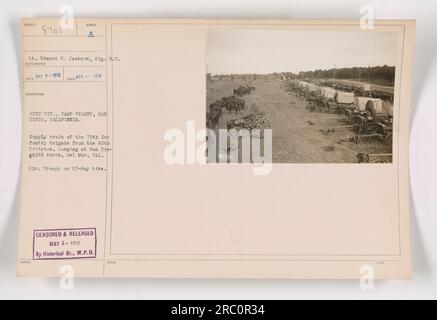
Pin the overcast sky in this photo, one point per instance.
(266, 51)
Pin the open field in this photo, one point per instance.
(297, 136)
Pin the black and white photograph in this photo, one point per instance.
(327, 96)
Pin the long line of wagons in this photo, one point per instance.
(369, 115)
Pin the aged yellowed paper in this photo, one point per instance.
(215, 148)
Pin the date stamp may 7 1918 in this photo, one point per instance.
(72, 243)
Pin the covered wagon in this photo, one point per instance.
(302, 88)
(373, 116)
(342, 100)
(377, 108)
(326, 97)
(313, 96)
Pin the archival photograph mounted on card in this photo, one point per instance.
(215, 148)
